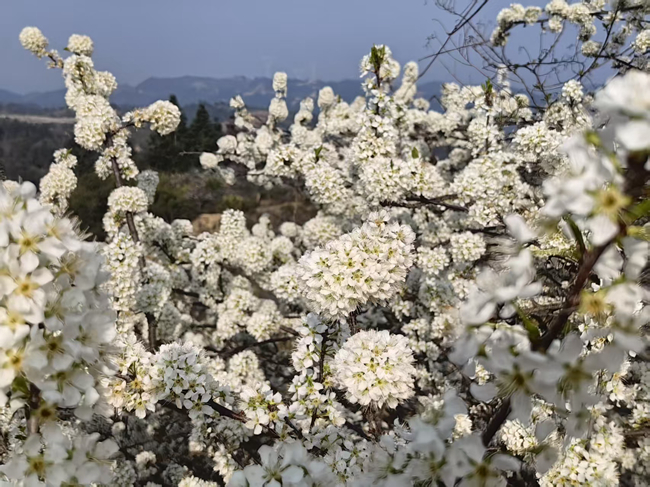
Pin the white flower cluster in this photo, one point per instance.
(50, 277)
(55, 339)
(117, 154)
(81, 45)
(96, 118)
(59, 183)
(135, 394)
(127, 199)
(53, 458)
(99, 128)
(588, 18)
(179, 376)
(122, 261)
(509, 17)
(642, 41)
(366, 265)
(163, 116)
(314, 404)
(278, 110)
(34, 41)
(594, 463)
(291, 465)
(486, 183)
(375, 368)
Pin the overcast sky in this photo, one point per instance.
(136, 39)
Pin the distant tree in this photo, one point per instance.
(163, 152)
(26, 148)
(85, 159)
(167, 153)
(203, 131)
(89, 203)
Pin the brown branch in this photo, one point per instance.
(419, 201)
(497, 420)
(32, 406)
(224, 411)
(461, 23)
(183, 292)
(291, 331)
(352, 321)
(358, 430)
(633, 178)
(557, 327)
(241, 348)
(294, 428)
(258, 291)
(151, 324)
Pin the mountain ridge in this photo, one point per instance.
(257, 92)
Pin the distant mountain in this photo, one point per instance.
(9, 97)
(256, 92)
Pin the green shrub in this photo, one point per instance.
(173, 199)
(89, 203)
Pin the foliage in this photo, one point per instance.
(88, 203)
(24, 147)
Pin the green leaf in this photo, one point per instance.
(132, 370)
(488, 87)
(593, 138)
(530, 324)
(577, 234)
(414, 153)
(20, 384)
(377, 56)
(638, 211)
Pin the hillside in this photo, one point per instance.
(256, 92)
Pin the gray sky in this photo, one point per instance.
(135, 39)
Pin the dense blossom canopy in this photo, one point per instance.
(467, 307)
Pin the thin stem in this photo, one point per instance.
(419, 201)
(130, 222)
(321, 373)
(352, 321)
(32, 406)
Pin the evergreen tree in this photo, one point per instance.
(164, 151)
(203, 132)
